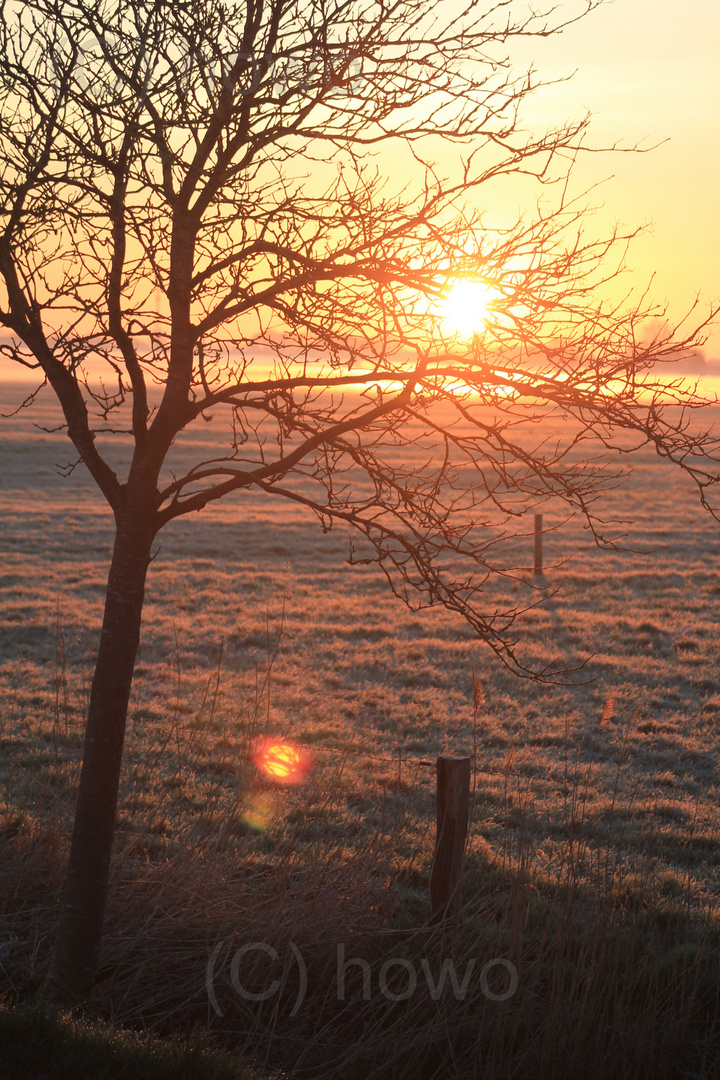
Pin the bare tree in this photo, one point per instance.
(191, 205)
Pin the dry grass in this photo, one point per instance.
(593, 860)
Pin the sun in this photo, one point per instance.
(467, 308)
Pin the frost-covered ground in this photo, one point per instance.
(628, 758)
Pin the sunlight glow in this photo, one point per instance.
(468, 307)
(281, 761)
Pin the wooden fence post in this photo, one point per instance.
(538, 544)
(453, 802)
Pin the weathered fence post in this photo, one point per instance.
(538, 544)
(453, 802)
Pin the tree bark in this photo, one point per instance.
(77, 945)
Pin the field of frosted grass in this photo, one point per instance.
(255, 623)
(367, 683)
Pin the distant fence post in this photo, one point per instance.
(538, 544)
(453, 802)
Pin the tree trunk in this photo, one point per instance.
(77, 946)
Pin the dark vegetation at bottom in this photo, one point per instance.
(613, 982)
(38, 1044)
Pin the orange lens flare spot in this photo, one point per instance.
(281, 761)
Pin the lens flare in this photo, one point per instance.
(282, 762)
(260, 811)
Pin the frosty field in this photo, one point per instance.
(255, 623)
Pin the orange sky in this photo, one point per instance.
(650, 69)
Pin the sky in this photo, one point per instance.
(649, 70)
